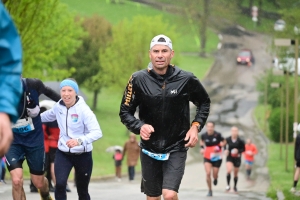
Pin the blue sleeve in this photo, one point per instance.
(10, 65)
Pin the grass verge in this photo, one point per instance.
(281, 177)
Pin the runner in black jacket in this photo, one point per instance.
(297, 159)
(28, 140)
(235, 146)
(162, 94)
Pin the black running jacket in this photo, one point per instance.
(163, 103)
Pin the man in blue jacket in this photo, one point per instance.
(10, 72)
(28, 140)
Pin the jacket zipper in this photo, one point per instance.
(67, 129)
(163, 108)
(67, 125)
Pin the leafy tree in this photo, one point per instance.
(210, 13)
(291, 16)
(49, 34)
(128, 51)
(274, 122)
(86, 58)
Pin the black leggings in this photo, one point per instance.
(82, 164)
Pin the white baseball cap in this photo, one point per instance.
(161, 39)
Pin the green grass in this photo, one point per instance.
(280, 179)
(266, 25)
(196, 65)
(114, 13)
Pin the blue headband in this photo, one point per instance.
(68, 82)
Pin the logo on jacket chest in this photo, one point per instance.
(74, 118)
(174, 91)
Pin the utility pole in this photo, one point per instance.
(286, 119)
(281, 120)
(296, 95)
(296, 90)
(266, 103)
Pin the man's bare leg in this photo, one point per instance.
(170, 195)
(41, 182)
(17, 184)
(153, 198)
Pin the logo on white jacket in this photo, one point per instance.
(174, 91)
(74, 118)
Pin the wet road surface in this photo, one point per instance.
(234, 97)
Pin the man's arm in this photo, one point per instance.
(255, 150)
(10, 82)
(124, 150)
(297, 146)
(42, 89)
(242, 146)
(200, 99)
(10, 66)
(128, 107)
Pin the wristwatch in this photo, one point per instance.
(197, 124)
(79, 141)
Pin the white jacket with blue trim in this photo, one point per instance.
(75, 122)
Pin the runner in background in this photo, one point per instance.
(118, 157)
(234, 148)
(132, 151)
(297, 159)
(250, 152)
(211, 143)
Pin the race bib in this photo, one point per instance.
(215, 156)
(234, 154)
(23, 126)
(157, 156)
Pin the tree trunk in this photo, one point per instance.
(250, 7)
(259, 9)
(95, 99)
(203, 28)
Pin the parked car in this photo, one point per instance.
(279, 25)
(245, 56)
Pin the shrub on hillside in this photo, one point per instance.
(274, 125)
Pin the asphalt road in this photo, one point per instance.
(233, 94)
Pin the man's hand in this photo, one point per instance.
(146, 131)
(191, 137)
(72, 143)
(202, 151)
(6, 135)
(226, 152)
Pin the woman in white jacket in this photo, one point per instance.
(79, 128)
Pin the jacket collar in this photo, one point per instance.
(171, 71)
(61, 102)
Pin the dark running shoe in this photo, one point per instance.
(51, 189)
(68, 188)
(33, 189)
(235, 189)
(209, 194)
(216, 182)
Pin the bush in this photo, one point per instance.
(274, 125)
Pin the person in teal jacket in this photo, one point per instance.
(10, 72)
